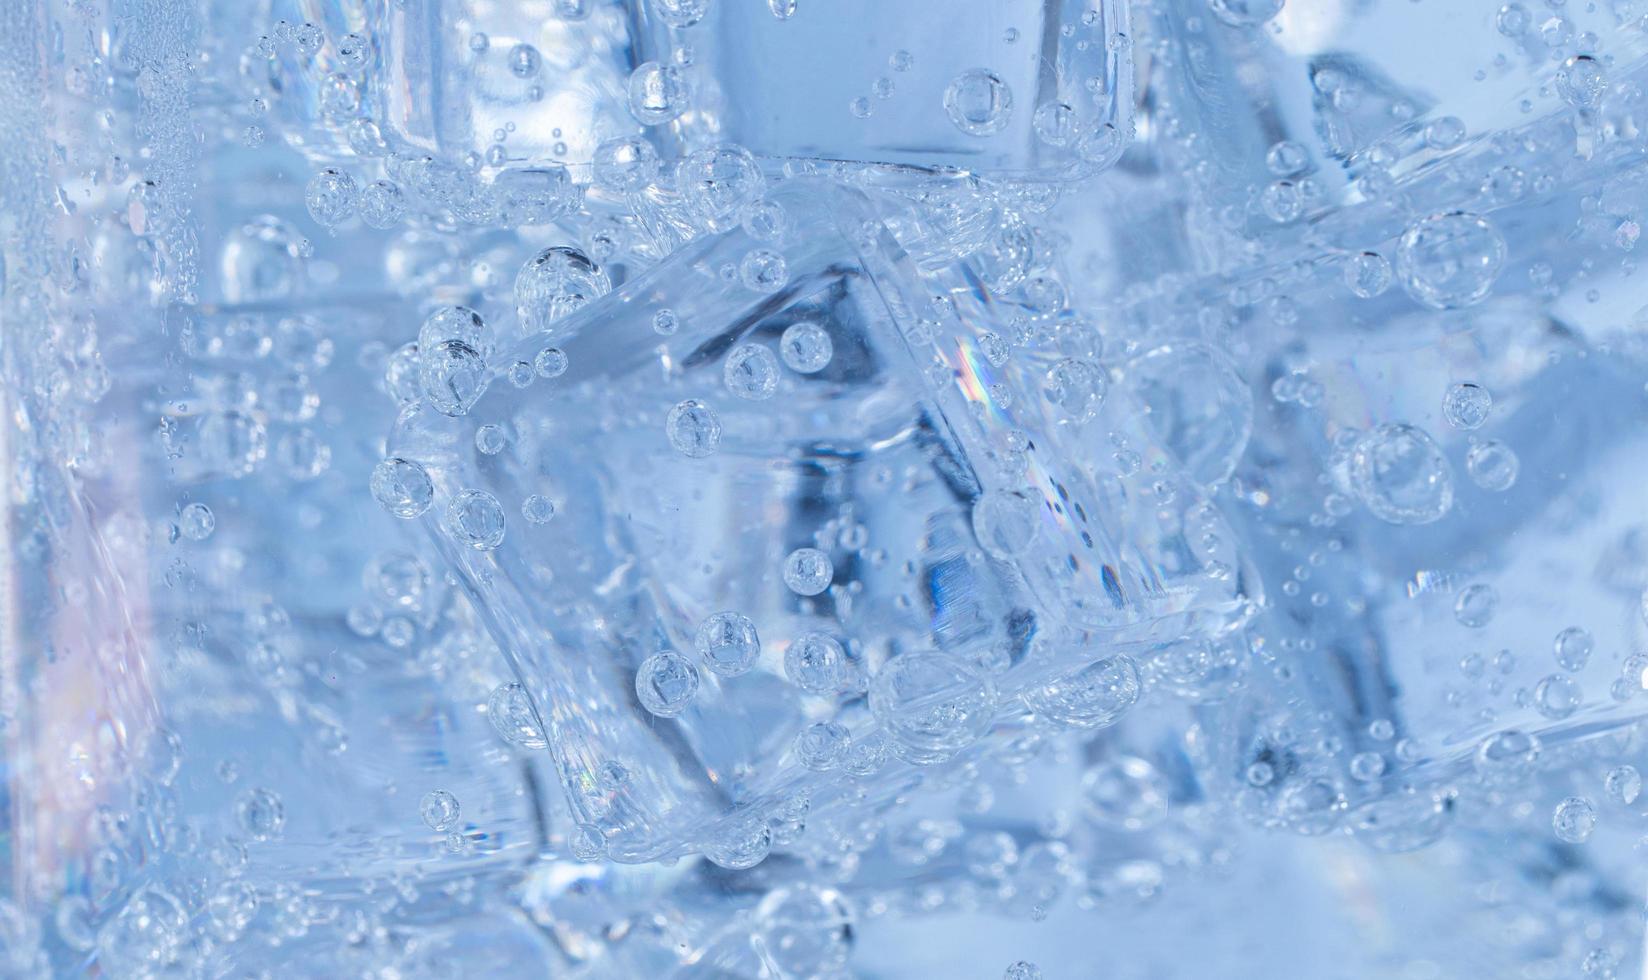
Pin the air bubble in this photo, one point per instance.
(693, 428)
(666, 684)
(978, 102)
(808, 571)
(439, 810)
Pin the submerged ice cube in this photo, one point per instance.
(1039, 88)
(935, 500)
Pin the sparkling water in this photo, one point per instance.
(789, 489)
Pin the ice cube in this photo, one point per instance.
(940, 495)
(1040, 88)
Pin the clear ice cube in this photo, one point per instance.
(985, 522)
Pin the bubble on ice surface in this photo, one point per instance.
(931, 706)
(657, 93)
(806, 347)
(261, 814)
(1126, 793)
(816, 663)
(537, 509)
(1245, 13)
(402, 487)
(1450, 260)
(728, 643)
(439, 810)
(718, 182)
(551, 362)
(680, 13)
(1573, 648)
(1557, 696)
(455, 323)
(1475, 605)
(1311, 807)
(1367, 274)
(1444, 133)
(1623, 784)
(763, 271)
(196, 522)
(1094, 696)
(1401, 475)
(625, 163)
(821, 747)
(1005, 522)
(510, 711)
(1492, 465)
(743, 844)
(398, 579)
(554, 283)
(1512, 19)
(1078, 387)
(353, 51)
(490, 440)
(751, 372)
(808, 571)
(1581, 82)
(1367, 766)
(1466, 405)
(331, 197)
(1282, 202)
(382, 204)
(453, 376)
(1197, 404)
(1574, 820)
(666, 684)
(693, 429)
(1055, 123)
(524, 60)
(531, 196)
(1507, 756)
(476, 519)
(978, 102)
(765, 221)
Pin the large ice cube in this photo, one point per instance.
(987, 515)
